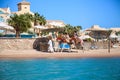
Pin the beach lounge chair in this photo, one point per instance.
(64, 46)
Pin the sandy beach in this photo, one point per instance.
(74, 54)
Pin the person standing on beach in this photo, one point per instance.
(50, 44)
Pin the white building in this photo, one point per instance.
(24, 7)
(4, 14)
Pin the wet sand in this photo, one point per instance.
(99, 53)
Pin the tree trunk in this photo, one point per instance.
(109, 44)
(17, 34)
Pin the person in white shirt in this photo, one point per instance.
(50, 45)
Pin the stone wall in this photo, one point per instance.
(13, 43)
(21, 44)
(35, 43)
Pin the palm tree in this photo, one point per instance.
(21, 23)
(42, 20)
(78, 28)
(71, 29)
(68, 29)
(38, 19)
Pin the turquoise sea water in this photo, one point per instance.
(60, 69)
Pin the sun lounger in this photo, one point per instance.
(64, 46)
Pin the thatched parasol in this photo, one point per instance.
(39, 28)
(97, 32)
(96, 28)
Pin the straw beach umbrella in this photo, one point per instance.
(39, 28)
(97, 32)
(96, 28)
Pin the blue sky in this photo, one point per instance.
(85, 13)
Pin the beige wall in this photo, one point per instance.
(16, 44)
(23, 12)
(24, 7)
